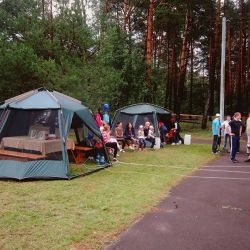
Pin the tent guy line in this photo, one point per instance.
(179, 167)
(186, 176)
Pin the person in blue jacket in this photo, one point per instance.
(216, 127)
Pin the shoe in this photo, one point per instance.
(173, 144)
(234, 161)
(117, 155)
(115, 159)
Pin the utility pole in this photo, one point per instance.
(222, 78)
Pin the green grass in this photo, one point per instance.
(88, 212)
(196, 131)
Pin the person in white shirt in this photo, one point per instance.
(226, 130)
(141, 138)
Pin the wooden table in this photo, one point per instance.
(79, 153)
(43, 146)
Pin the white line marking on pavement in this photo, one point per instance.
(228, 166)
(184, 168)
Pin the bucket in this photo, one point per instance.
(187, 139)
(157, 143)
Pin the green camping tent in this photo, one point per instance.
(139, 113)
(38, 123)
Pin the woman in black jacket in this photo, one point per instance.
(129, 135)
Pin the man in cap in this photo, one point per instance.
(216, 133)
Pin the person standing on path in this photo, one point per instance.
(236, 128)
(248, 133)
(216, 133)
(226, 129)
(248, 129)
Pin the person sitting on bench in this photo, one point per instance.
(119, 135)
(141, 138)
(106, 139)
(163, 132)
(129, 135)
(151, 136)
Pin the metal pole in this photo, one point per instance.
(222, 79)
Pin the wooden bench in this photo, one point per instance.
(16, 154)
(80, 153)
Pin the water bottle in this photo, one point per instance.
(102, 160)
(97, 159)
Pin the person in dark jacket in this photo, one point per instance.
(129, 135)
(236, 129)
(177, 129)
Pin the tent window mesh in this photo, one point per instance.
(34, 133)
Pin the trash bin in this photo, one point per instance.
(187, 139)
(157, 143)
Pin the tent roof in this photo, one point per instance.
(43, 99)
(143, 108)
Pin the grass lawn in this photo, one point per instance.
(88, 212)
(196, 131)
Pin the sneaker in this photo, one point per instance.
(115, 159)
(234, 161)
(117, 155)
(173, 144)
(215, 153)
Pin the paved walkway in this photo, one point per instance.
(210, 210)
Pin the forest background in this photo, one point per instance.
(121, 52)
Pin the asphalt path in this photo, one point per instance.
(208, 210)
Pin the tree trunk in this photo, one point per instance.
(126, 15)
(240, 61)
(83, 6)
(183, 64)
(159, 50)
(212, 61)
(106, 7)
(191, 77)
(172, 92)
(229, 76)
(43, 9)
(248, 61)
(149, 51)
(213, 51)
(167, 74)
(51, 21)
